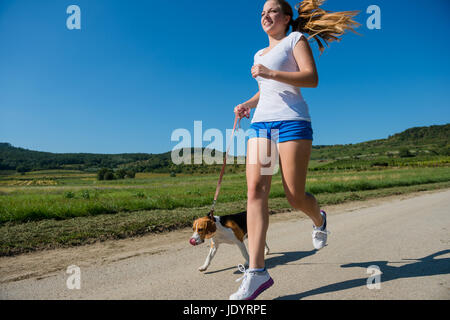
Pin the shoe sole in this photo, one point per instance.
(264, 286)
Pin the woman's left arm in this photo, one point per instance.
(306, 77)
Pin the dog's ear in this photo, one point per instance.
(210, 229)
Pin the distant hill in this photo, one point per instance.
(431, 140)
(14, 158)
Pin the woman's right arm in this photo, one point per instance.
(252, 102)
(243, 109)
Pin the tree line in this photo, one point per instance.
(432, 140)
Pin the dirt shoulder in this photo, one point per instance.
(40, 264)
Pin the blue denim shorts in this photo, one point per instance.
(281, 131)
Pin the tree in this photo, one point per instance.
(21, 169)
(405, 153)
(121, 173)
(109, 175)
(445, 151)
(130, 174)
(101, 173)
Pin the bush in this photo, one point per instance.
(69, 195)
(121, 173)
(405, 153)
(101, 173)
(379, 164)
(21, 169)
(445, 151)
(140, 194)
(130, 174)
(85, 194)
(109, 175)
(172, 174)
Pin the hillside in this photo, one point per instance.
(432, 140)
(14, 158)
(418, 141)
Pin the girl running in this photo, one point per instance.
(282, 116)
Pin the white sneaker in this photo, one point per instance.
(253, 284)
(320, 234)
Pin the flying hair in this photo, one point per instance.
(322, 25)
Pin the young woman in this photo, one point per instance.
(282, 116)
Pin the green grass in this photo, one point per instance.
(78, 209)
(23, 204)
(16, 238)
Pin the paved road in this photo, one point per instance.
(408, 239)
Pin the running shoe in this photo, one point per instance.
(252, 285)
(320, 234)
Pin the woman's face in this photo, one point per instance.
(273, 20)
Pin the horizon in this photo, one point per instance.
(194, 148)
(128, 78)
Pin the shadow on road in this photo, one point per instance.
(426, 266)
(287, 257)
(280, 259)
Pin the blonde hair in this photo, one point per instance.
(322, 25)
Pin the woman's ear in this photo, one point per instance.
(288, 20)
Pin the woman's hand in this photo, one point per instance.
(258, 70)
(242, 111)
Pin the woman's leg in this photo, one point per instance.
(294, 159)
(258, 188)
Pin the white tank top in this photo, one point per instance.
(280, 101)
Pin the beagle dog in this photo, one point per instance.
(229, 229)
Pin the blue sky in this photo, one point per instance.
(138, 70)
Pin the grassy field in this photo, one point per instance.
(48, 209)
(59, 197)
(52, 208)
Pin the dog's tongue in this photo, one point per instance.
(192, 241)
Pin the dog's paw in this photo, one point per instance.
(202, 268)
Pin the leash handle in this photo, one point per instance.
(216, 195)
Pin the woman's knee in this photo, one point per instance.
(257, 191)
